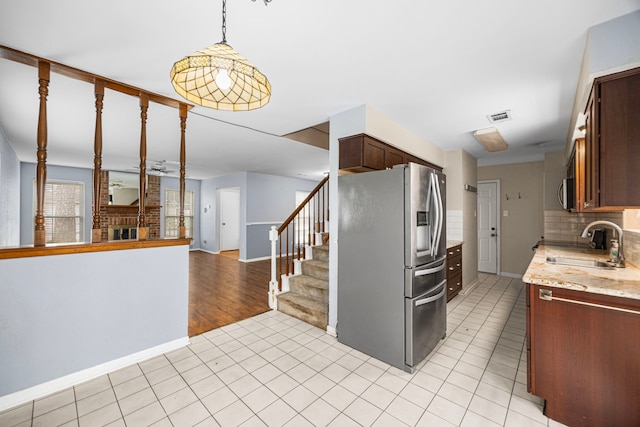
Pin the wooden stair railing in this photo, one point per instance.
(295, 235)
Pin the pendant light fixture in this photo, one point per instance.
(219, 77)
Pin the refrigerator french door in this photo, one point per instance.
(391, 263)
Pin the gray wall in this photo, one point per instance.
(270, 200)
(209, 233)
(27, 179)
(60, 317)
(9, 194)
(265, 200)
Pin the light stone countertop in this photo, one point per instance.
(452, 243)
(621, 282)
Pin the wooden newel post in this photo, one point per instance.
(183, 151)
(40, 236)
(96, 231)
(143, 230)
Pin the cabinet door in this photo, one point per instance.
(591, 152)
(394, 157)
(373, 154)
(579, 174)
(584, 358)
(620, 141)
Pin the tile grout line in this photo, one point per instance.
(497, 300)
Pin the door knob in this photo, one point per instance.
(493, 234)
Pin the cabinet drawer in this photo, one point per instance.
(454, 285)
(456, 250)
(454, 265)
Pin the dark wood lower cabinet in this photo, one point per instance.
(454, 271)
(583, 356)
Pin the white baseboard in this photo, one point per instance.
(255, 259)
(332, 331)
(53, 386)
(209, 252)
(511, 275)
(466, 290)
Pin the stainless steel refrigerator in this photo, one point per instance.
(391, 263)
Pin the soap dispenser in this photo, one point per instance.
(613, 253)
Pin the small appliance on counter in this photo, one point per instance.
(392, 263)
(598, 239)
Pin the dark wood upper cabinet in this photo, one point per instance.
(362, 153)
(612, 143)
(394, 157)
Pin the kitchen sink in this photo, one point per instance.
(579, 262)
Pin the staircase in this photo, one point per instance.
(308, 298)
(299, 284)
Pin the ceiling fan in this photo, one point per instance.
(159, 167)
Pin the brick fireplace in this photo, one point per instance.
(120, 222)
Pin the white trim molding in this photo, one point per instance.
(53, 386)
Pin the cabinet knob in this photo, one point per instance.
(450, 289)
(450, 268)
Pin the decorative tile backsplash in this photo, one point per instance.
(563, 226)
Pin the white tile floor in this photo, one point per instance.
(275, 370)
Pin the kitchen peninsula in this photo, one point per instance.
(583, 338)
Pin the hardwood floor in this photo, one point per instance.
(223, 290)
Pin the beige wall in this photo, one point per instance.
(461, 168)
(523, 227)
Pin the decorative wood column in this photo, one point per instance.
(96, 231)
(40, 236)
(183, 151)
(143, 231)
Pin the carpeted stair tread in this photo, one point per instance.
(303, 308)
(320, 253)
(315, 268)
(310, 287)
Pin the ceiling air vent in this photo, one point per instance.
(502, 116)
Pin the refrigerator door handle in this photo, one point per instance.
(433, 298)
(439, 213)
(430, 270)
(433, 185)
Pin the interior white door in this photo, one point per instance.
(488, 227)
(229, 219)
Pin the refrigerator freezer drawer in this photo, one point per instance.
(421, 279)
(426, 324)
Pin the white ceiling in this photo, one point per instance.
(437, 68)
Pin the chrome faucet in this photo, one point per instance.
(619, 261)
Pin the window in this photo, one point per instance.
(63, 211)
(172, 214)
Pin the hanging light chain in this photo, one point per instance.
(224, 18)
(224, 21)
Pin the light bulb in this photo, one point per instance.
(222, 79)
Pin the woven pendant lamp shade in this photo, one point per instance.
(194, 78)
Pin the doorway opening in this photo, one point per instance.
(489, 226)
(229, 221)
